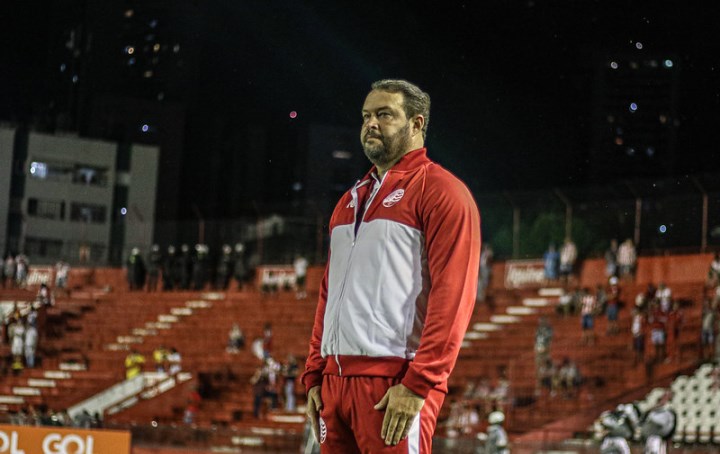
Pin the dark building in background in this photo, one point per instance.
(636, 117)
(122, 71)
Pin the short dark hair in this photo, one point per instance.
(415, 101)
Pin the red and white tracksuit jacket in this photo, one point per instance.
(400, 285)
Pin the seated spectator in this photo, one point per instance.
(160, 356)
(44, 296)
(174, 360)
(565, 306)
(569, 377)
(236, 339)
(270, 284)
(134, 363)
(546, 376)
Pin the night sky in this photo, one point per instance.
(512, 82)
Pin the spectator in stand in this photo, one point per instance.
(200, 266)
(497, 439)
(264, 383)
(601, 297)
(183, 267)
(568, 256)
(169, 269)
(44, 296)
(613, 308)
(707, 330)
(543, 340)
(714, 271)
(62, 272)
(569, 377)
(193, 406)
(160, 355)
(9, 268)
(236, 339)
(22, 269)
(588, 310)
(551, 260)
(482, 393)
(17, 342)
(626, 259)
(664, 296)
(290, 371)
(486, 258)
(31, 342)
(174, 360)
(546, 377)
(267, 340)
(650, 294)
(134, 363)
(611, 256)
(155, 263)
(240, 271)
(676, 320)
(300, 265)
(637, 328)
(135, 270)
(565, 306)
(224, 268)
(270, 284)
(658, 324)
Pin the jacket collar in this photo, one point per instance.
(410, 160)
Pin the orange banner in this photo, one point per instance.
(57, 440)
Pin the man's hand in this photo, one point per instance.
(314, 405)
(401, 407)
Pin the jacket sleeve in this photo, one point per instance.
(451, 224)
(315, 363)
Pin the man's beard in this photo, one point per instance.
(390, 149)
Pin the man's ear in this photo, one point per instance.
(418, 123)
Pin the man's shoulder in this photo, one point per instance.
(438, 178)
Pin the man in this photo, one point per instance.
(497, 439)
(398, 290)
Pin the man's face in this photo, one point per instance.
(385, 133)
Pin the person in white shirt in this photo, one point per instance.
(31, 341)
(300, 265)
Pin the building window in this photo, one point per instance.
(43, 247)
(86, 212)
(88, 175)
(66, 172)
(47, 209)
(44, 170)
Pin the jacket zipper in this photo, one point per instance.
(352, 248)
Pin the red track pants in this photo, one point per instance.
(349, 423)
